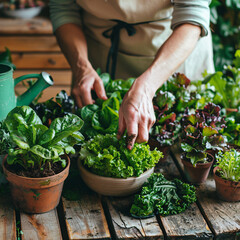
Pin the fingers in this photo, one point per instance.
(121, 125)
(99, 89)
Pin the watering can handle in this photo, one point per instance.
(19, 79)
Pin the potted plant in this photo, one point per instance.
(202, 134)
(109, 168)
(227, 175)
(38, 166)
(164, 132)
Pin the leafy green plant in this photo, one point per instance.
(51, 109)
(100, 118)
(5, 58)
(38, 146)
(225, 22)
(162, 196)
(227, 84)
(5, 141)
(165, 129)
(202, 131)
(229, 164)
(107, 156)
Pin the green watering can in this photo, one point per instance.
(8, 100)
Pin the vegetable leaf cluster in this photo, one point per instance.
(229, 164)
(202, 131)
(162, 196)
(37, 145)
(107, 156)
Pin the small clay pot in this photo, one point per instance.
(164, 149)
(227, 190)
(198, 174)
(231, 110)
(36, 195)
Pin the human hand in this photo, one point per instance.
(85, 81)
(136, 115)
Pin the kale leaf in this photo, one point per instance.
(162, 196)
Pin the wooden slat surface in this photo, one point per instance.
(29, 44)
(85, 218)
(47, 93)
(224, 217)
(7, 218)
(60, 77)
(34, 26)
(127, 227)
(40, 61)
(41, 226)
(187, 225)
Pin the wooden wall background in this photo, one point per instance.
(34, 49)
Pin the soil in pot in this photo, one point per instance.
(227, 190)
(198, 174)
(36, 195)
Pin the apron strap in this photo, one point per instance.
(114, 34)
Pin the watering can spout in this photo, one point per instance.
(44, 80)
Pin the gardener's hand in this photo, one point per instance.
(85, 80)
(136, 114)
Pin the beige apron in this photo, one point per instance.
(137, 52)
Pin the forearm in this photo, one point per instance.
(73, 44)
(169, 57)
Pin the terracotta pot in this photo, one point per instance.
(164, 149)
(199, 174)
(227, 190)
(109, 186)
(230, 110)
(36, 195)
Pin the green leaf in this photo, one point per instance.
(209, 131)
(21, 115)
(186, 147)
(44, 152)
(46, 137)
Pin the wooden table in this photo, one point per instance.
(97, 217)
(34, 49)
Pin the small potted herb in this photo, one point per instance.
(227, 175)
(109, 168)
(37, 167)
(202, 134)
(164, 132)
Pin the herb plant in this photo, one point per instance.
(5, 142)
(107, 156)
(162, 196)
(202, 131)
(38, 146)
(229, 164)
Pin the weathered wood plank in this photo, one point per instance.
(187, 225)
(47, 93)
(7, 218)
(60, 77)
(85, 218)
(223, 216)
(40, 61)
(127, 227)
(41, 226)
(38, 25)
(29, 44)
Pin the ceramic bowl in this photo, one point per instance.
(113, 186)
(26, 13)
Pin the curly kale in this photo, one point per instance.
(163, 196)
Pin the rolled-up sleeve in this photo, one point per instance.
(191, 11)
(64, 11)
